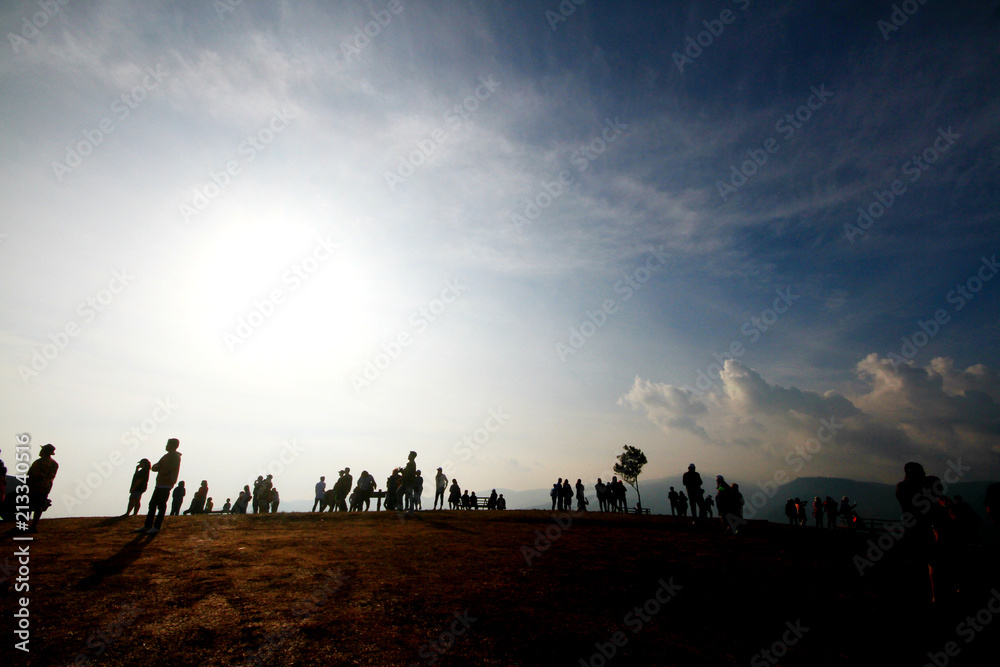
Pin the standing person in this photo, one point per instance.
(491, 502)
(919, 499)
(41, 474)
(455, 495)
(344, 486)
(320, 490)
(140, 481)
(696, 494)
(166, 469)
(407, 483)
(682, 504)
(178, 499)
(818, 511)
(440, 484)
(567, 494)
(708, 504)
(581, 497)
(392, 490)
(791, 512)
(672, 497)
(418, 491)
(265, 494)
(601, 489)
(275, 500)
(556, 494)
(830, 507)
(256, 493)
(242, 501)
(801, 506)
(366, 486)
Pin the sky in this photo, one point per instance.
(511, 236)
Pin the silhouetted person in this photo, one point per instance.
(276, 500)
(682, 504)
(227, 507)
(567, 495)
(830, 507)
(264, 504)
(800, 508)
(729, 503)
(791, 512)
(166, 469)
(501, 503)
(366, 487)
(343, 489)
(320, 490)
(178, 499)
(418, 491)
(473, 501)
(140, 481)
(440, 485)
(601, 489)
(672, 497)
(408, 481)
(919, 497)
(208, 506)
(707, 504)
(392, 490)
(581, 497)
(818, 511)
(491, 502)
(466, 501)
(41, 474)
(257, 493)
(692, 482)
(242, 501)
(197, 505)
(557, 497)
(454, 495)
(845, 511)
(619, 497)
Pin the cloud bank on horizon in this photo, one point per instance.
(510, 236)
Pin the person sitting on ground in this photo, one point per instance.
(198, 499)
(140, 481)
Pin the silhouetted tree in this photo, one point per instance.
(629, 466)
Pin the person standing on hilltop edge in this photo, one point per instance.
(41, 474)
(166, 469)
(440, 484)
(408, 483)
(140, 480)
(692, 482)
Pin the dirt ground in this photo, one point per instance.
(479, 588)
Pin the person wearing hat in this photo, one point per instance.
(41, 474)
(440, 484)
(166, 469)
(140, 481)
(696, 495)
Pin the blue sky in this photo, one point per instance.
(307, 247)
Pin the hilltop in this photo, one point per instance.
(498, 588)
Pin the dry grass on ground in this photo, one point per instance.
(378, 589)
